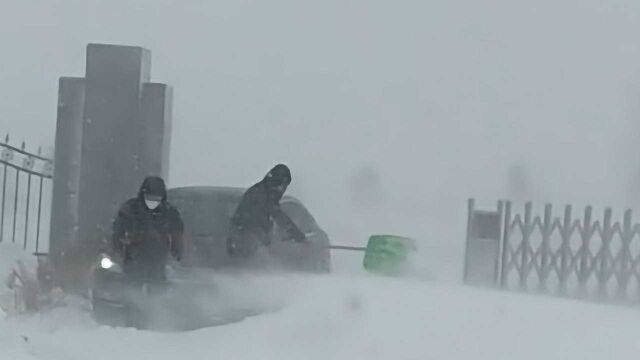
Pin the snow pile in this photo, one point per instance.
(211, 299)
(17, 277)
(351, 317)
(12, 254)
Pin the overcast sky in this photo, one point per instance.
(438, 97)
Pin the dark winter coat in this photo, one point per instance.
(259, 209)
(144, 238)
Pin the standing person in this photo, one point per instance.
(253, 222)
(146, 231)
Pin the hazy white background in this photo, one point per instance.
(390, 113)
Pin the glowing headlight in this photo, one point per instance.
(106, 263)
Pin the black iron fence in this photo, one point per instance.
(582, 255)
(25, 195)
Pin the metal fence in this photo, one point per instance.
(25, 196)
(564, 254)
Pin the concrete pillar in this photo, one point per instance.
(483, 252)
(66, 179)
(111, 135)
(156, 121)
(120, 134)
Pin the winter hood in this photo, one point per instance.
(280, 174)
(153, 185)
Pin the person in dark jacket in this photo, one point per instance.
(253, 221)
(146, 231)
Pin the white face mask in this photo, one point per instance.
(152, 204)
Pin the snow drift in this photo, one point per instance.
(345, 316)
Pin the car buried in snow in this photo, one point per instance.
(206, 213)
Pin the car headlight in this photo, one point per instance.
(106, 263)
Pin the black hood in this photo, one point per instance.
(153, 185)
(279, 175)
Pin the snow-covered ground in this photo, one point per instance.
(351, 316)
(437, 101)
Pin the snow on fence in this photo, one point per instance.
(25, 197)
(564, 254)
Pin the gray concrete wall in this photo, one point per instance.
(114, 128)
(66, 179)
(156, 121)
(111, 132)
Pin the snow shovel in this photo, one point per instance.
(384, 254)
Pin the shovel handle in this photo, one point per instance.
(352, 248)
(339, 247)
